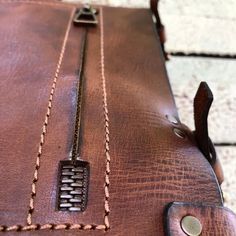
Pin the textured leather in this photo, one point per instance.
(138, 165)
(215, 220)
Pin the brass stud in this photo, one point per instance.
(191, 226)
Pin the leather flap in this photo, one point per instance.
(215, 220)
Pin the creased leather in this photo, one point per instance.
(149, 165)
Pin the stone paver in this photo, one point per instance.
(220, 9)
(210, 8)
(200, 34)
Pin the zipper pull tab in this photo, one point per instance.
(85, 16)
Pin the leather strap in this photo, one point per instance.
(202, 104)
(215, 220)
(159, 26)
(154, 8)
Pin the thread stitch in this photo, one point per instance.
(66, 226)
(106, 126)
(44, 128)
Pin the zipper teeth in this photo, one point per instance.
(77, 128)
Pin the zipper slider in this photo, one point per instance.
(85, 16)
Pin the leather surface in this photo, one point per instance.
(217, 221)
(26, 73)
(138, 165)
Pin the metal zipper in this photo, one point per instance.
(73, 174)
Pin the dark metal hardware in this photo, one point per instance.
(73, 185)
(72, 193)
(86, 16)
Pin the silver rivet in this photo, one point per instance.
(172, 119)
(191, 226)
(179, 133)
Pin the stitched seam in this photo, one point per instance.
(46, 120)
(68, 226)
(106, 126)
(64, 226)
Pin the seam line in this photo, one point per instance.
(106, 124)
(65, 226)
(46, 121)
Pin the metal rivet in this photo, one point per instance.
(172, 119)
(191, 226)
(179, 133)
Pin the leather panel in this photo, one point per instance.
(150, 166)
(60, 133)
(217, 221)
(30, 42)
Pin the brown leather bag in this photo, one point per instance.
(91, 142)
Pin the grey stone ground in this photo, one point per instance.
(202, 26)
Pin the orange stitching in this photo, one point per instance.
(67, 226)
(107, 181)
(19, 228)
(44, 128)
